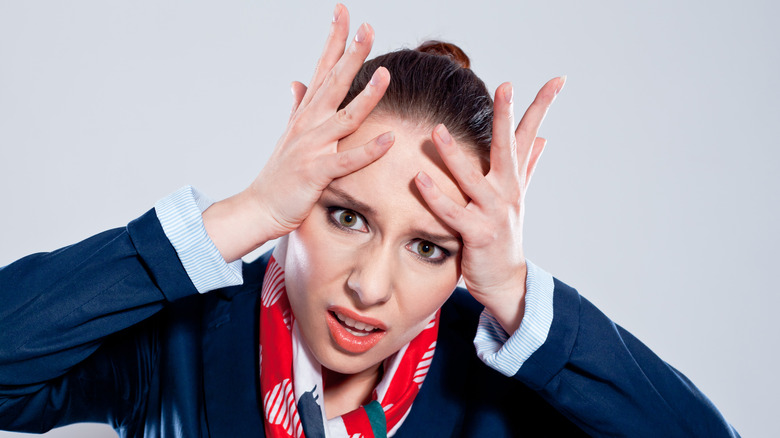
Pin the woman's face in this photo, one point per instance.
(370, 266)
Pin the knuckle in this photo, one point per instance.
(515, 199)
(453, 213)
(509, 113)
(336, 79)
(473, 178)
(314, 173)
(331, 78)
(344, 161)
(481, 237)
(345, 117)
(294, 129)
(318, 66)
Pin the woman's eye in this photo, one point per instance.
(427, 250)
(348, 219)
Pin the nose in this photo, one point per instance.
(371, 278)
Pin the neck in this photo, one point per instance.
(344, 393)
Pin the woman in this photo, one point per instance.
(393, 181)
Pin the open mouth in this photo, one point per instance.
(355, 328)
(353, 333)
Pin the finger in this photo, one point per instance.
(334, 49)
(503, 147)
(298, 91)
(445, 208)
(533, 117)
(330, 94)
(343, 163)
(348, 119)
(462, 167)
(536, 152)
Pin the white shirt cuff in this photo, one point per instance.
(505, 353)
(180, 216)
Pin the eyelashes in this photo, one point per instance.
(428, 251)
(348, 220)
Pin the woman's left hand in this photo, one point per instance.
(491, 224)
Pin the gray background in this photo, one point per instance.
(657, 197)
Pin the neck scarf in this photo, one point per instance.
(291, 378)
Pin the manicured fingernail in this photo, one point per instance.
(561, 83)
(445, 137)
(337, 12)
(385, 139)
(360, 36)
(374, 78)
(424, 179)
(509, 91)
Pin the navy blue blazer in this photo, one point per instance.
(112, 330)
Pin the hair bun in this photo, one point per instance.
(455, 53)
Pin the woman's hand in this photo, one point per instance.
(305, 160)
(491, 224)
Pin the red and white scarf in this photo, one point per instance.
(291, 378)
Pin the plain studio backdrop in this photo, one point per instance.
(657, 196)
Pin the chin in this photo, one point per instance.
(347, 368)
(346, 363)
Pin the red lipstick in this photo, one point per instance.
(352, 332)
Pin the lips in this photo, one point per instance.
(352, 332)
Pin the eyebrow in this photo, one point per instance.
(436, 238)
(353, 204)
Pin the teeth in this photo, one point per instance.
(360, 327)
(355, 333)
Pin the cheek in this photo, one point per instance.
(316, 267)
(307, 264)
(313, 257)
(421, 292)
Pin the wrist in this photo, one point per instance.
(507, 302)
(237, 225)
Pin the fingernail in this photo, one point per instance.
(445, 137)
(561, 83)
(337, 12)
(360, 36)
(509, 91)
(374, 78)
(424, 179)
(385, 139)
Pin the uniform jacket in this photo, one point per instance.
(112, 330)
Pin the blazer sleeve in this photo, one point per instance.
(610, 384)
(59, 308)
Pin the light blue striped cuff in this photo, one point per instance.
(504, 353)
(180, 216)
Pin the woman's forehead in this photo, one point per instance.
(393, 174)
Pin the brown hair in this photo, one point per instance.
(434, 84)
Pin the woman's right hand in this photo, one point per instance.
(305, 159)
